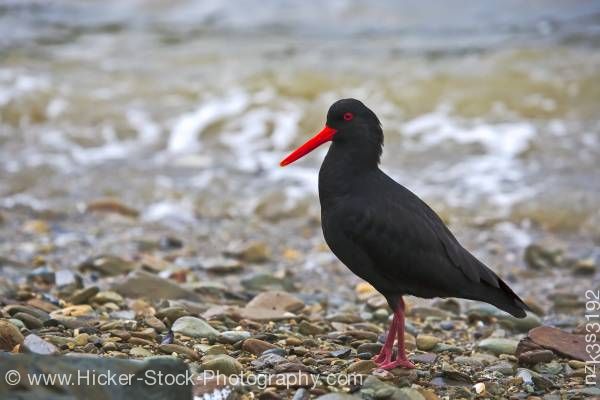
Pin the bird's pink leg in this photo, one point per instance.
(401, 360)
(385, 355)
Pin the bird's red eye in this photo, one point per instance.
(348, 116)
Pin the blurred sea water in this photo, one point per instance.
(490, 109)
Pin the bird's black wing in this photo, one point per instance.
(409, 243)
(405, 240)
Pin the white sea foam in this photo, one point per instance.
(490, 173)
(286, 127)
(148, 130)
(252, 135)
(13, 85)
(56, 107)
(514, 234)
(188, 127)
(170, 212)
(112, 148)
(23, 199)
(506, 139)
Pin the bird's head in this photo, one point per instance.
(350, 124)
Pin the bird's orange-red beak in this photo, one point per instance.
(324, 136)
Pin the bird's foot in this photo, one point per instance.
(383, 357)
(396, 364)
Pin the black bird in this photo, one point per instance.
(386, 234)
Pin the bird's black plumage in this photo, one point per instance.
(384, 233)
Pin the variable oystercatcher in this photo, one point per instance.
(387, 235)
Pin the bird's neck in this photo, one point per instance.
(341, 168)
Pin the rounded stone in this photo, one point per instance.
(9, 336)
(194, 327)
(232, 337)
(223, 364)
(499, 345)
(427, 342)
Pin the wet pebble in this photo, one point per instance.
(172, 313)
(232, 337)
(381, 314)
(341, 353)
(111, 205)
(74, 311)
(427, 342)
(221, 265)
(306, 328)
(503, 367)
(372, 348)
(293, 341)
(145, 285)
(35, 344)
(447, 325)
(140, 352)
(13, 309)
(107, 265)
(253, 252)
(536, 356)
(256, 346)
(29, 320)
(427, 358)
(498, 345)
(576, 364)
(586, 267)
(107, 297)
(361, 367)
(194, 327)
(276, 300)
(567, 344)
(82, 296)
(81, 339)
(10, 336)
(222, 363)
(155, 323)
(178, 349)
(276, 350)
(109, 346)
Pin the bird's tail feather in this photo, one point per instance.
(502, 297)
